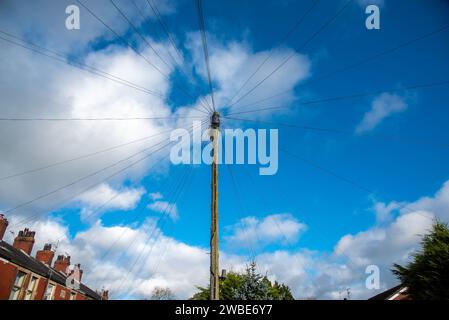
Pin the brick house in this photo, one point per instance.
(23, 277)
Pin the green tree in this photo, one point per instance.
(202, 294)
(254, 286)
(280, 292)
(427, 276)
(159, 293)
(229, 284)
(247, 286)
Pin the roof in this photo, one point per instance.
(395, 293)
(19, 257)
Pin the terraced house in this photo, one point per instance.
(24, 277)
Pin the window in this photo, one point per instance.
(62, 294)
(18, 286)
(49, 292)
(72, 295)
(31, 288)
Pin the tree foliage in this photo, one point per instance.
(253, 286)
(159, 293)
(249, 285)
(427, 276)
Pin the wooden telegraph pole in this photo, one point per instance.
(214, 268)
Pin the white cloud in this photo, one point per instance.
(327, 276)
(382, 107)
(128, 261)
(384, 211)
(35, 86)
(47, 230)
(391, 242)
(155, 196)
(277, 228)
(379, 245)
(291, 268)
(132, 261)
(232, 63)
(438, 204)
(126, 198)
(55, 90)
(45, 20)
(165, 207)
(104, 197)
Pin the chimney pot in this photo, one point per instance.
(77, 273)
(62, 263)
(25, 240)
(105, 295)
(46, 255)
(3, 225)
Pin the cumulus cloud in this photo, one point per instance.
(35, 86)
(438, 204)
(48, 230)
(45, 20)
(56, 90)
(276, 228)
(155, 195)
(104, 197)
(125, 199)
(139, 259)
(51, 89)
(382, 107)
(232, 63)
(384, 212)
(392, 241)
(380, 244)
(123, 258)
(165, 207)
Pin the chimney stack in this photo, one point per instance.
(77, 273)
(25, 240)
(46, 255)
(105, 295)
(62, 263)
(3, 225)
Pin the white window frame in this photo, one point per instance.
(50, 291)
(31, 289)
(18, 284)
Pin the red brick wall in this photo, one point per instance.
(24, 243)
(45, 256)
(41, 287)
(8, 274)
(79, 296)
(59, 293)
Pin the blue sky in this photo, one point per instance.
(401, 155)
